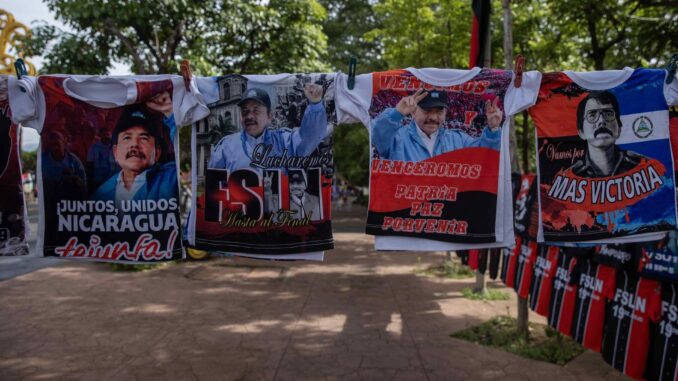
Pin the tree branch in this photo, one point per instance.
(128, 44)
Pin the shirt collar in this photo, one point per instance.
(121, 193)
(252, 141)
(429, 142)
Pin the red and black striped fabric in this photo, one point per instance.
(542, 279)
(509, 263)
(480, 30)
(596, 286)
(525, 268)
(663, 362)
(564, 294)
(626, 341)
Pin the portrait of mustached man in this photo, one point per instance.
(598, 123)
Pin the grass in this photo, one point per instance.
(132, 268)
(447, 269)
(488, 294)
(544, 343)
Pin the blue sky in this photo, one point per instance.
(28, 12)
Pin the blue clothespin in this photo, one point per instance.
(352, 63)
(671, 68)
(20, 68)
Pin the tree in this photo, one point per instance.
(423, 33)
(352, 154)
(29, 160)
(218, 36)
(620, 33)
(348, 39)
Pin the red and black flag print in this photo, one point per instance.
(510, 263)
(542, 279)
(564, 294)
(596, 286)
(480, 31)
(525, 268)
(626, 340)
(663, 362)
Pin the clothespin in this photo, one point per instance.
(20, 68)
(518, 69)
(352, 63)
(185, 69)
(671, 68)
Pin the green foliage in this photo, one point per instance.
(351, 153)
(29, 160)
(487, 294)
(591, 34)
(218, 36)
(346, 25)
(446, 269)
(132, 268)
(543, 344)
(423, 33)
(282, 36)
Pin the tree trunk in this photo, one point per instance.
(521, 324)
(522, 318)
(479, 287)
(448, 256)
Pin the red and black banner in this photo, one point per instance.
(480, 31)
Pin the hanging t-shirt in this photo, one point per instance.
(510, 262)
(130, 213)
(604, 158)
(473, 256)
(627, 323)
(262, 168)
(564, 293)
(617, 256)
(13, 213)
(440, 171)
(545, 266)
(662, 364)
(477, 260)
(596, 286)
(525, 268)
(525, 207)
(659, 260)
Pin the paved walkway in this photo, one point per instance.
(359, 315)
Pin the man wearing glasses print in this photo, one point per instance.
(598, 123)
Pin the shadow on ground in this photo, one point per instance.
(359, 315)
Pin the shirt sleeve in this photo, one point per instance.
(188, 105)
(168, 121)
(353, 105)
(671, 91)
(384, 129)
(520, 98)
(312, 131)
(26, 101)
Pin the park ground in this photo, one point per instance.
(358, 315)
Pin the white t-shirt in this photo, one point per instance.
(297, 129)
(363, 102)
(72, 113)
(638, 100)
